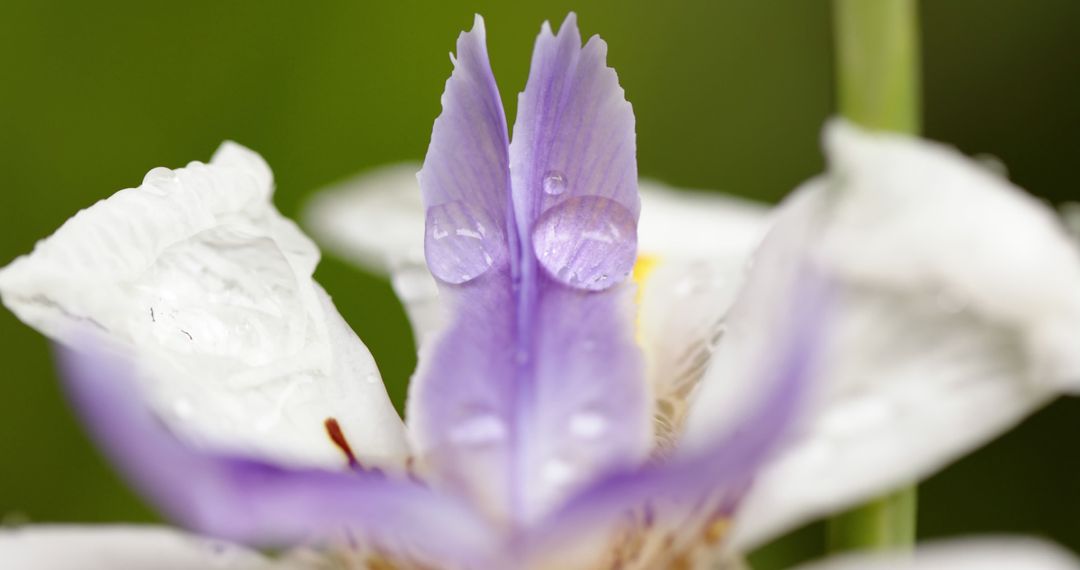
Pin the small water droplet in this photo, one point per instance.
(554, 183)
(587, 242)
(461, 242)
(480, 429)
(182, 408)
(371, 379)
(588, 424)
(160, 178)
(557, 472)
(992, 164)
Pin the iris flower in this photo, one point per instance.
(578, 403)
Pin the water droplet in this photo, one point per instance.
(588, 425)
(554, 183)
(479, 430)
(587, 242)
(557, 472)
(183, 408)
(993, 165)
(160, 178)
(461, 242)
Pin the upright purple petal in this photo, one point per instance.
(252, 501)
(459, 404)
(466, 175)
(535, 384)
(583, 406)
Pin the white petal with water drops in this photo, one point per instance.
(199, 275)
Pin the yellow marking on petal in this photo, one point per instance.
(644, 268)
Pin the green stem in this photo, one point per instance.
(887, 523)
(877, 63)
(877, 73)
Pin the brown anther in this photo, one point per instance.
(716, 531)
(333, 429)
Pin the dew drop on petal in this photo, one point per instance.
(588, 425)
(182, 408)
(586, 242)
(461, 242)
(557, 471)
(554, 183)
(481, 429)
(160, 179)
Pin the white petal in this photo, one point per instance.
(198, 273)
(375, 220)
(918, 215)
(969, 554)
(122, 548)
(942, 333)
(683, 305)
(689, 224)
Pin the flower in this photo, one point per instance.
(560, 417)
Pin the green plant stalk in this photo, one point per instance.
(887, 523)
(878, 86)
(877, 63)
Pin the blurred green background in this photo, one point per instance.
(728, 95)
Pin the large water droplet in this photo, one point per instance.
(554, 182)
(587, 242)
(460, 242)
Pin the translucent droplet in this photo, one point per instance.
(159, 179)
(587, 242)
(588, 425)
(480, 429)
(992, 164)
(461, 242)
(554, 183)
(183, 408)
(557, 472)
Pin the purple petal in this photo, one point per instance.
(465, 180)
(711, 475)
(252, 501)
(535, 384)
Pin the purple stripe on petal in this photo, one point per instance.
(536, 383)
(252, 501)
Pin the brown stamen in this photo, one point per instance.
(333, 429)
